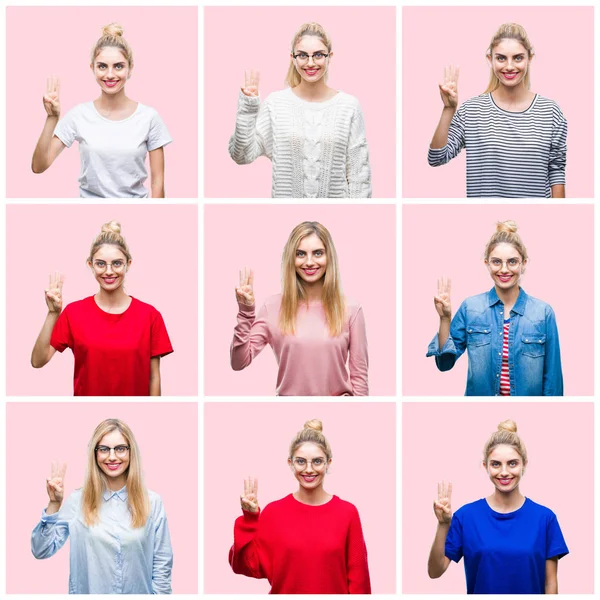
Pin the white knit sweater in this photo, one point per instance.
(318, 149)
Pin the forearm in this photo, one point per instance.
(155, 385)
(444, 332)
(42, 350)
(41, 161)
(551, 587)
(53, 507)
(440, 137)
(558, 191)
(158, 190)
(438, 562)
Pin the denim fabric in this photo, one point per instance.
(533, 347)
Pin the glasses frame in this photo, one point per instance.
(504, 262)
(112, 265)
(309, 56)
(114, 449)
(316, 468)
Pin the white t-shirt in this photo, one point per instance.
(113, 153)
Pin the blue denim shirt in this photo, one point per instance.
(533, 349)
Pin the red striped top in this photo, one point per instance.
(504, 373)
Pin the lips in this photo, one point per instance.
(110, 83)
(505, 481)
(109, 280)
(509, 76)
(505, 278)
(113, 466)
(309, 478)
(310, 272)
(311, 72)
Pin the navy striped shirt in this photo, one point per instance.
(509, 154)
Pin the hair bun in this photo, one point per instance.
(508, 425)
(314, 424)
(112, 30)
(508, 226)
(111, 227)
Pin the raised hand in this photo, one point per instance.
(245, 292)
(442, 299)
(54, 293)
(52, 96)
(56, 482)
(249, 499)
(449, 89)
(442, 507)
(251, 81)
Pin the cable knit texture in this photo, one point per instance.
(303, 549)
(318, 149)
(311, 362)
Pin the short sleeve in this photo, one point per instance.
(555, 542)
(62, 336)
(66, 128)
(160, 344)
(454, 540)
(158, 135)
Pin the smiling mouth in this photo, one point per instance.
(505, 481)
(110, 83)
(510, 75)
(312, 71)
(505, 278)
(310, 272)
(308, 478)
(109, 280)
(113, 466)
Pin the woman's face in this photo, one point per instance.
(311, 259)
(109, 266)
(314, 68)
(506, 266)
(111, 70)
(509, 61)
(113, 463)
(309, 465)
(505, 468)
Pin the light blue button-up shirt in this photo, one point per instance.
(533, 349)
(111, 557)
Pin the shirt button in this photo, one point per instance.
(526, 340)
(485, 331)
(497, 375)
(499, 353)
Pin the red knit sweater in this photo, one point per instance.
(303, 549)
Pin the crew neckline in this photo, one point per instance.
(112, 315)
(333, 497)
(514, 112)
(316, 104)
(509, 515)
(137, 108)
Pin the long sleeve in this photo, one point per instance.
(51, 533)
(558, 149)
(455, 143)
(253, 135)
(162, 561)
(358, 169)
(250, 336)
(359, 355)
(359, 581)
(455, 344)
(553, 379)
(243, 555)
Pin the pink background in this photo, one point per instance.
(259, 37)
(244, 440)
(33, 442)
(435, 36)
(450, 241)
(58, 40)
(254, 236)
(41, 239)
(448, 440)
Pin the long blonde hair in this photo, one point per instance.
(293, 77)
(96, 481)
(294, 290)
(509, 31)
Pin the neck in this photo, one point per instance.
(114, 485)
(511, 94)
(313, 92)
(112, 101)
(313, 497)
(111, 298)
(506, 501)
(508, 297)
(314, 291)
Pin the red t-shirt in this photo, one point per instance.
(112, 352)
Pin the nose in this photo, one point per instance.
(311, 59)
(112, 455)
(310, 260)
(109, 268)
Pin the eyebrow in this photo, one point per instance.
(514, 55)
(103, 64)
(315, 250)
(498, 258)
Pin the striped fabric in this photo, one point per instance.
(504, 373)
(509, 154)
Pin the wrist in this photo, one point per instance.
(444, 525)
(445, 319)
(449, 109)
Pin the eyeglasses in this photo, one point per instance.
(316, 463)
(115, 265)
(512, 263)
(302, 57)
(120, 451)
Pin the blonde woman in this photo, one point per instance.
(313, 329)
(313, 134)
(114, 132)
(516, 140)
(511, 545)
(511, 338)
(309, 542)
(119, 534)
(117, 340)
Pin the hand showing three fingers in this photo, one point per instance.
(251, 81)
(245, 291)
(52, 96)
(249, 499)
(54, 299)
(449, 89)
(56, 482)
(442, 299)
(442, 507)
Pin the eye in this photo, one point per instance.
(302, 56)
(318, 56)
(118, 264)
(300, 461)
(118, 66)
(513, 262)
(319, 253)
(299, 253)
(103, 449)
(100, 263)
(317, 462)
(120, 449)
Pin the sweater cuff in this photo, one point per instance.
(251, 517)
(247, 309)
(248, 104)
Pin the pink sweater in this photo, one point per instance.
(311, 362)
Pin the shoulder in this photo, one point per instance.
(477, 302)
(281, 96)
(352, 307)
(277, 507)
(147, 111)
(156, 503)
(476, 103)
(471, 509)
(273, 302)
(348, 99)
(543, 309)
(540, 510)
(543, 103)
(85, 108)
(79, 306)
(344, 507)
(143, 307)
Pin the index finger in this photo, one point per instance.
(246, 486)
(61, 279)
(449, 490)
(250, 277)
(255, 487)
(247, 78)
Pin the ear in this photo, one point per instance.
(524, 265)
(290, 464)
(89, 264)
(328, 465)
(484, 463)
(489, 58)
(92, 67)
(330, 55)
(128, 265)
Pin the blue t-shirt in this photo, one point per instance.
(505, 553)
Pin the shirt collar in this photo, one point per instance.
(120, 494)
(519, 306)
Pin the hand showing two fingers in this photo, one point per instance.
(443, 507)
(54, 298)
(449, 88)
(244, 293)
(441, 301)
(251, 81)
(56, 482)
(51, 98)
(249, 499)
